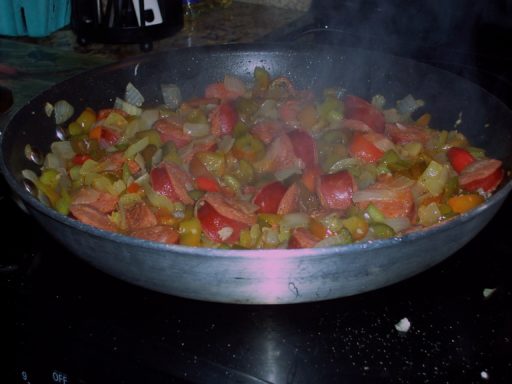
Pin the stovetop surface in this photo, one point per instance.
(75, 324)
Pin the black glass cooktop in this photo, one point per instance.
(74, 324)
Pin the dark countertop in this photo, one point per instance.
(29, 65)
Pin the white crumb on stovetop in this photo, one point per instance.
(403, 325)
(488, 292)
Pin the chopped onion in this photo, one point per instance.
(48, 109)
(157, 157)
(139, 159)
(408, 105)
(401, 182)
(343, 164)
(134, 126)
(53, 161)
(383, 143)
(148, 117)
(374, 195)
(331, 241)
(269, 109)
(171, 94)
(392, 116)
(136, 147)
(226, 143)
(398, 224)
(127, 107)
(294, 220)
(63, 111)
(133, 96)
(63, 149)
(378, 101)
(429, 214)
(196, 129)
(234, 84)
(283, 174)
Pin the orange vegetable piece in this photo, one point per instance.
(95, 133)
(465, 203)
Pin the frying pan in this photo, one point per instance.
(278, 275)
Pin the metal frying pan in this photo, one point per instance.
(266, 276)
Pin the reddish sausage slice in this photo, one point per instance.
(302, 238)
(403, 134)
(269, 197)
(335, 190)
(223, 119)
(482, 174)
(290, 200)
(361, 110)
(102, 201)
(159, 233)
(232, 208)
(90, 215)
(170, 130)
(218, 227)
(139, 216)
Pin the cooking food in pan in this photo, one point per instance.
(261, 165)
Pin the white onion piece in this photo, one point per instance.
(136, 147)
(384, 144)
(157, 157)
(53, 161)
(283, 174)
(63, 111)
(48, 109)
(401, 182)
(196, 129)
(127, 107)
(234, 84)
(398, 224)
(342, 164)
(133, 96)
(269, 109)
(408, 105)
(374, 195)
(226, 143)
(63, 149)
(378, 101)
(171, 94)
(331, 241)
(294, 220)
(149, 116)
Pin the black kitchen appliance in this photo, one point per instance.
(125, 21)
(77, 325)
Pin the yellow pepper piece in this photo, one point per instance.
(465, 203)
(86, 119)
(357, 226)
(269, 219)
(50, 177)
(190, 232)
